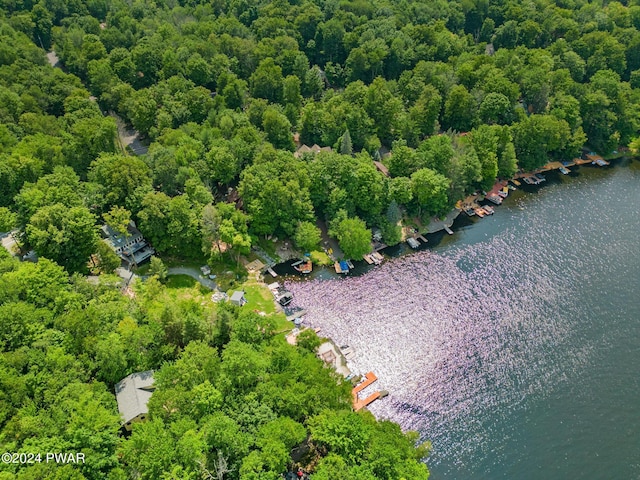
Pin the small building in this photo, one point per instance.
(238, 299)
(131, 247)
(133, 394)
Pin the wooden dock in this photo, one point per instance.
(271, 272)
(421, 237)
(360, 404)
(369, 378)
(448, 230)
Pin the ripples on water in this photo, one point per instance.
(474, 331)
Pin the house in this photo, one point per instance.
(304, 149)
(131, 247)
(133, 394)
(238, 299)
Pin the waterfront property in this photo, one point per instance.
(131, 246)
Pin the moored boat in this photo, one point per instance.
(489, 209)
(494, 199)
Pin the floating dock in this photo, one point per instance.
(448, 230)
(271, 272)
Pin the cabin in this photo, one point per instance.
(238, 299)
(133, 394)
(131, 246)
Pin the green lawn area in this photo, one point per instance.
(320, 258)
(180, 281)
(259, 298)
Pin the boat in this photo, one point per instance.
(511, 187)
(516, 182)
(489, 209)
(564, 170)
(469, 211)
(413, 243)
(480, 212)
(341, 267)
(306, 267)
(377, 258)
(540, 177)
(494, 199)
(349, 264)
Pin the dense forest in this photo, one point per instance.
(459, 92)
(232, 398)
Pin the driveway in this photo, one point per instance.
(194, 273)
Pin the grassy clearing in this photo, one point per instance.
(320, 258)
(259, 298)
(180, 281)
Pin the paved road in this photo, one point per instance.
(195, 274)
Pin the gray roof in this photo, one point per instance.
(133, 394)
(237, 296)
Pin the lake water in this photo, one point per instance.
(513, 345)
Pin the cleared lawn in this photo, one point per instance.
(260, 298)
(180, 281)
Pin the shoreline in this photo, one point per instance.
(434, 227)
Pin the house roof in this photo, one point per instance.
(315, 148)
(133, 393)
(237, 296)
(118, 239)
(382, 168)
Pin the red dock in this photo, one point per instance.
(360, 404)
(369, 378)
